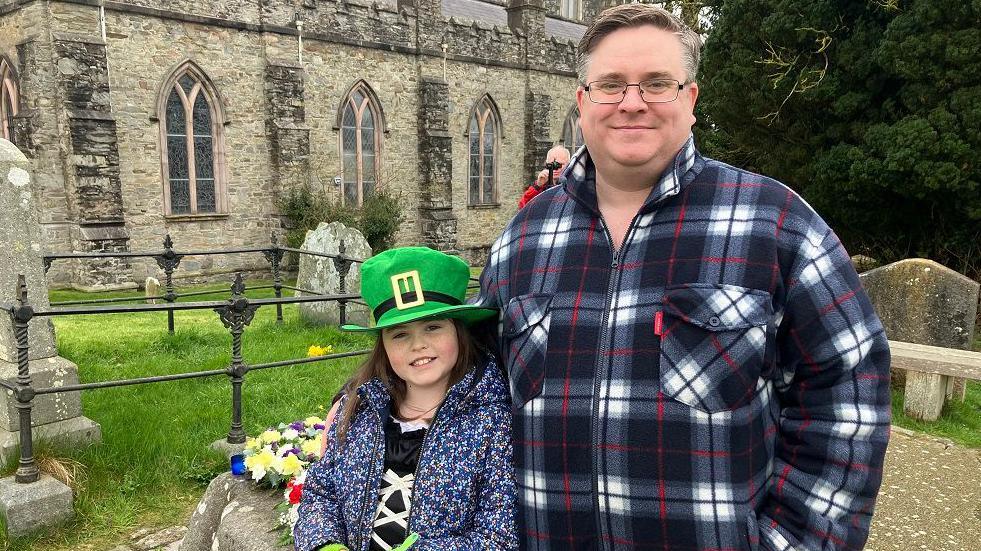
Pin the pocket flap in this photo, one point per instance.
(525, 311)
(718, 307)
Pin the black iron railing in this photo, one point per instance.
(169, 260)
(235, 313)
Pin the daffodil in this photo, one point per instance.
(270, 436)
(290, 465)
(315, 350)
(259, 463)
(313, 420)
(312, 446)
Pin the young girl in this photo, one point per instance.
(421, 444)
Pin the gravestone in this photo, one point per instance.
(57, 417)
(923, 302)
(320, 274)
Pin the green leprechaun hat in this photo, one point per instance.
(412, 283)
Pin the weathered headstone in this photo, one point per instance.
(320, 274)
(923, 302)
(55, 417)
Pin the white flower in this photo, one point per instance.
(290, 434)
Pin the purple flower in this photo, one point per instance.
(319, 426)
(297, 426)
(294, 451)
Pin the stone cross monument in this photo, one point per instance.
(55, 417)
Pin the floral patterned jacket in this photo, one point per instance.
(464, 494)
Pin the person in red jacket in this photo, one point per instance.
(555, 159)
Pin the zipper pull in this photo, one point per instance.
(616, 261)
(407, 543)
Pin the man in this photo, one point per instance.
(555, 160)
(693, 362)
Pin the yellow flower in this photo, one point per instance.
(290, 465)
(312, 420)
(259, 463)
(270, 436)
(252, 443)
(316, 350)
(312, 446)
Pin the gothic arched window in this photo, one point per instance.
(483, 137)
(571, 132)
(361, 125)
(192, 143)
(8, 99)
(571, 9)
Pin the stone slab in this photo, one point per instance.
(923, 302)
(234, 514)
(77, 431)
(47, 408)
(160, 539)
(20, 241)
(320, 275)
(30, 507)
(228, 450)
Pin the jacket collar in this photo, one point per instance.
(580, 178)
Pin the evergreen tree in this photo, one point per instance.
(870, 109)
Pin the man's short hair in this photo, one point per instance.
(637, 15)
(557, 150)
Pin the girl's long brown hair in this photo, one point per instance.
(377, 365)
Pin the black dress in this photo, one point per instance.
(390, 526)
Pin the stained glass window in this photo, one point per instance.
(8, 100)
(483, 155)
(192, 140)
(360, 141)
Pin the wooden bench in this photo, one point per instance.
(930, 375)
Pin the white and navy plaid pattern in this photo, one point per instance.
(758, 419)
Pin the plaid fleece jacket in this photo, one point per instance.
(718, 383)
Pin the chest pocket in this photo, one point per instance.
(713, 344)
(525, 339)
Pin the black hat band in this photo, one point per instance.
(384, 307)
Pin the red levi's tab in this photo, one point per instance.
(658, 320)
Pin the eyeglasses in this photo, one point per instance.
(655, 90)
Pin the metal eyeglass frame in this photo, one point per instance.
(626, 85)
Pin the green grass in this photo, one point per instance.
(959, 421)
(154, 462)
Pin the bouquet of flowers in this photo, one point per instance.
(282, 455)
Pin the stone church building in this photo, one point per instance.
(143, 118)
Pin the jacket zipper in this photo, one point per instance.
(365, 543)
(604, 345)
(415, 475)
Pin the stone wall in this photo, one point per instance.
(92, 132)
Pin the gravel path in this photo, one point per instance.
(930, 497)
